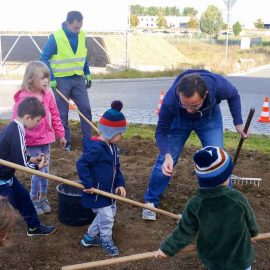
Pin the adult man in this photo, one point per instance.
(191, 104)
(66, 55)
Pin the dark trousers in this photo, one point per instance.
(20, 199)
(74, 88)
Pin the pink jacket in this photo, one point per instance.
(49, 126)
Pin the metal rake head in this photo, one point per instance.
(246, 180)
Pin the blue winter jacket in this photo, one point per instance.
(170, 113)
(99, 167)
(51, 48)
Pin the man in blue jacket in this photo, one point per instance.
(191, 104)
(66, 55)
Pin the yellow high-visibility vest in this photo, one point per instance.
(65, 62)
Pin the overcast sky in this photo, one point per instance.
(36, 15)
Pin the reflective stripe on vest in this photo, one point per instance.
(65, 62)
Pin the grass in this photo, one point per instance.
(260, 143)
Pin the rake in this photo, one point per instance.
(244, 180)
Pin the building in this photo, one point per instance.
(172, 21)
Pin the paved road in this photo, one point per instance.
(140, 98)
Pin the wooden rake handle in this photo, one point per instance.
(137, 257)
(250, 116)
(77, 110)
(80, 186)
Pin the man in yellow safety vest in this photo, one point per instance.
(65, 54)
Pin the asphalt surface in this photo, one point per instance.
(141, 97)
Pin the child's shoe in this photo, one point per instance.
(38, 207)
(110, 248)
(148, 214)
(45, 206)
(41, 230)
(88, 241)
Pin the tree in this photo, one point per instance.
(136, 9)
(134, 21)
(193, 23)
(237, 28)
(161, 21)
(211, 21)
(189, 11)
(259, 24)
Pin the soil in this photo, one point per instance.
(131, 234)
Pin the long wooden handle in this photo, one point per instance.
(108, 262)
(250, 116)
(77, 110)
(80, 186)
(137, 257)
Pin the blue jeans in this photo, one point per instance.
(210, 132)
(103, 222)
(74, 88)
(19, 198)
(39, 185)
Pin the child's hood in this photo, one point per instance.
(89, 143)
(20, 94)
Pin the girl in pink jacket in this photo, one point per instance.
(35, 83)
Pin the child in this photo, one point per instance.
(8, 218)
(12, 144)
(219, 216)
(35, 83)
(99, 168)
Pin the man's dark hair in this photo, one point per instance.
(190, 84)
(74, 16)
(31, 106)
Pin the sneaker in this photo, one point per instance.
(38, 208)
(41, 230)
(45, 206)
(68, 147)
(148, 214)
(110, 248)
(88, 241)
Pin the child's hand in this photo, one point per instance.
(62, 142)
(43, 163)
(160, 254)
(121, 191)
(37, 159)
(253, 240)
(89, 190)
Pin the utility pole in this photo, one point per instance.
(128, 36)
(229, 4)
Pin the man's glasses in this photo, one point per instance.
(186, 107)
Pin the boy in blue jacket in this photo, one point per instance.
(99, 168)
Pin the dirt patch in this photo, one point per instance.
(131, 234)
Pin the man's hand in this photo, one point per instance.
(160, 254)
(240, 130)
(53, 84)
(62, 142)
(121, 191)
(89, 190)
(88, 81)
(167, 166)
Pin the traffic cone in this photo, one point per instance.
(72, 105)
(264, 118)
(161, 96)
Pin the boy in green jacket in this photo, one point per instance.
(220, 218)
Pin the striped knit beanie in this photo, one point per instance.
(213, 166)
(112, 121)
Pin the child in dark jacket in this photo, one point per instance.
(12, 148)
(99, 168)
(220, 217)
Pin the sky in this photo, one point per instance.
(36, 15)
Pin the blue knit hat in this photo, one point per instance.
(113, 121)
(213, 166)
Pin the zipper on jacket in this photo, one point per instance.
(97, 194)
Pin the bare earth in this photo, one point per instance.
(131, 234)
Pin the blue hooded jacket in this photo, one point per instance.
(170, 113)
(99, 167)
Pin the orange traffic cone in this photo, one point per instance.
(72, 105)
(161, 96)
(264, 118)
